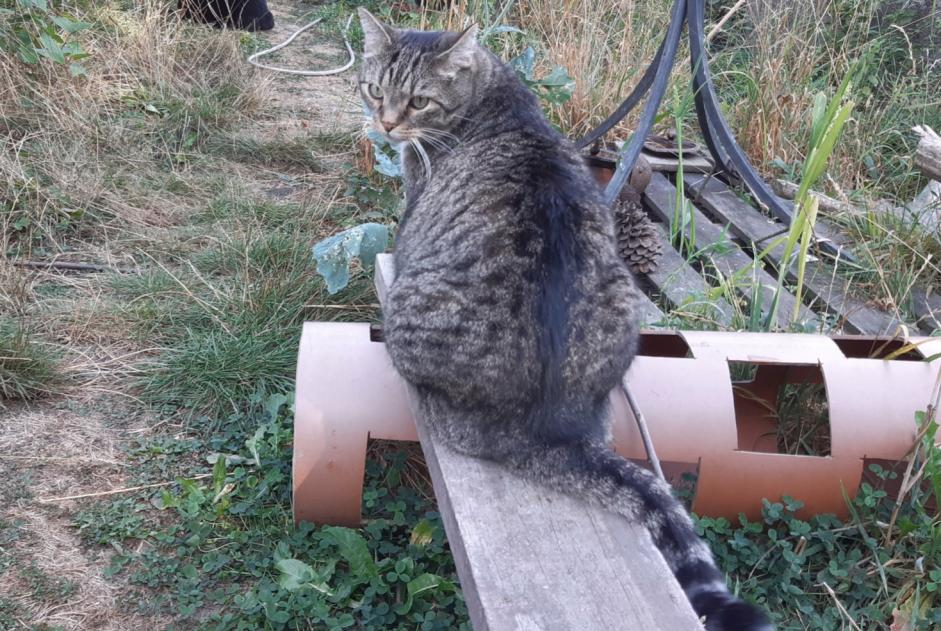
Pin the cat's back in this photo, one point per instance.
(507, 259)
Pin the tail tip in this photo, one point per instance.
(723, 612)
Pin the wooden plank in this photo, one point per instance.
(530, 559)
(825, 231)
(928, 152)
(659, 162)
(927, 306)
(678, 282)
(660, 197)
(649, 313)
(750, 225)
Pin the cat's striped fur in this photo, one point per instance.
(511, 313)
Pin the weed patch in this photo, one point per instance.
(223, 553)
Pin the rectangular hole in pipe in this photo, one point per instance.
(663, 345)
(781, 408)
(862, 347)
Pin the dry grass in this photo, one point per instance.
(605, 46)
(771, 59)
(51, 580)
(74, 148)
(768, 61)
(99, 168)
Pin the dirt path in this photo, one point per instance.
(75, 443)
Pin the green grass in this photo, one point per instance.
(216, 544)
(28, 366)
(230, 322)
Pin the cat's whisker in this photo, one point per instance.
(420, 150)
(440, 133)
(437, 143)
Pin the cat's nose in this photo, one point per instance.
(388, 126)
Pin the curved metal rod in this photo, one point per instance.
(629, 103)
(722, 144)
(632, 149)
(719, 138)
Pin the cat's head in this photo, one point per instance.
(416, 84)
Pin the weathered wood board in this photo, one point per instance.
(679, 283)
(530, 559)
(648, 312)
(660, 198)
(820, 281)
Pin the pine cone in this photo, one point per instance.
(638, 242)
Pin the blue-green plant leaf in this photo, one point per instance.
(334, 254)
(524, 63)
(388, 160)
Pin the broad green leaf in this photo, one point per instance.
(353, 549)
(218, 474)
(192, 490)
(334, 254)
(559, 77)
(42, 5)
(294, 574)
(28, 55)
(388, 165)
(425, 582)
(51, 48)
(273, 405)
(70, 26)
(252, 443)
(500, 29)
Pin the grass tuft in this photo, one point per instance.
(28, 367)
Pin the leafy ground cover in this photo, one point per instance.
(149, 148)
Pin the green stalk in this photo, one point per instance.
(827, 125)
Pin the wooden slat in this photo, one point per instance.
(679, 283)
(750, 225)
(649, 313)
(530, 559)
(824, 230)
(660, 196)
(926, 304)
(691, 164)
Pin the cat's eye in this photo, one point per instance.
(374, 91)
(419, 102)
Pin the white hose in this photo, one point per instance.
(644, 433)
(306, 73)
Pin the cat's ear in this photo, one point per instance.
(460, 54)
(376, 35)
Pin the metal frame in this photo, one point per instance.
(729, 158)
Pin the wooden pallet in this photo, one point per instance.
(727, 232)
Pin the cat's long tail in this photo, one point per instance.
(595, 472)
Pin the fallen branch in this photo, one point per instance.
(130, 489)
(725, 18)
(788, 190)
(71, 267)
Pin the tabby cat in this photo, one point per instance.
(511, 313)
